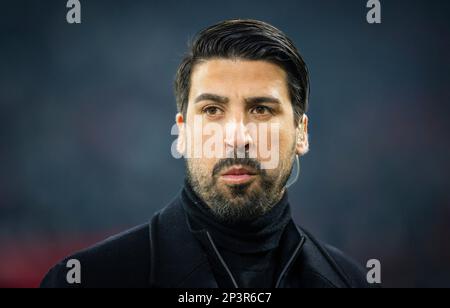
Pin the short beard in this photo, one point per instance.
(244, 204)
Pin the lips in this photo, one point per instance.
(239, 171)
(238, 175)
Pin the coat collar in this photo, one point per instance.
(182, 258)
(184, 264)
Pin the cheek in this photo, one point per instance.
(204, 139)
(287, 141)
(275, 140)
(194, 142)
(202, 166)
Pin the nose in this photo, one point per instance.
(237, 138)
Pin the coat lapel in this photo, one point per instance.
(177, 260)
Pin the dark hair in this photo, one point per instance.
(250, 40)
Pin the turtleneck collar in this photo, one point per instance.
(260, 235)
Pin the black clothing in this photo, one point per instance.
(248, 248)
(170, 252)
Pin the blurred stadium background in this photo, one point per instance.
(86, 112)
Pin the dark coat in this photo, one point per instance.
(166, 254)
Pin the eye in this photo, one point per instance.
(261, 110)
(212, 111)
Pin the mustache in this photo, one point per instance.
(228, 162)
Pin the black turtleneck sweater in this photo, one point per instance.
(249, 249)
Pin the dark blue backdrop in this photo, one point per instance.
(86, 112)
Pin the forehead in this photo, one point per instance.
(239, 78)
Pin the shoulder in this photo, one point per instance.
(343, 266)
(353, 271)
(122, 260)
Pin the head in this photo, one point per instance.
(244, 82)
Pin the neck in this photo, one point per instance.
(258, 235)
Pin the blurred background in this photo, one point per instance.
(86, 112)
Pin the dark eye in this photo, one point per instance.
(261, 110)
(212, 111)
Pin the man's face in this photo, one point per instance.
(249, 103)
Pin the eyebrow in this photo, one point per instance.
(224, 100)
(212, 97)
(262, 99)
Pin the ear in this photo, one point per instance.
(302, 146)
(181, 141)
